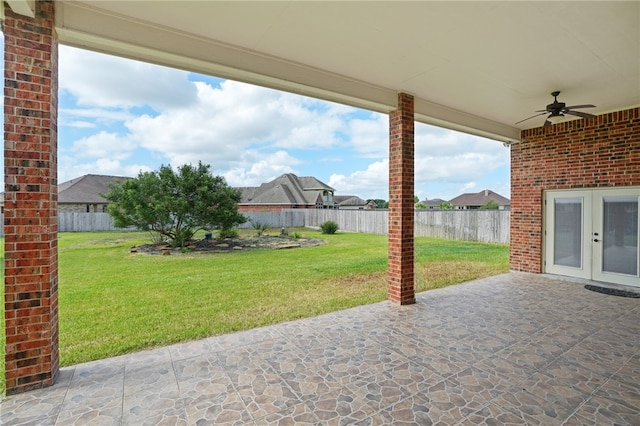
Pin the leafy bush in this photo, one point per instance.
(446, 206)
(296, 235)
(490, 205)
(329, 227)
(259, 227)
(228, 233)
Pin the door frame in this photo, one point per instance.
(591, 199)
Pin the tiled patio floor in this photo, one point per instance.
(514, 349)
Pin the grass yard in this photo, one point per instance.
(113, 302)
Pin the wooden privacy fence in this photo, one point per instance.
(282, 219)
(85, 222)
(489, 226)
(88, 222)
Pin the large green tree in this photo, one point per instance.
(175, 204)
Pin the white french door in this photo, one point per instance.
(593, 234)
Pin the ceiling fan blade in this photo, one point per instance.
(546, 124)
(537, 115)
(580, 106)
(579, 114)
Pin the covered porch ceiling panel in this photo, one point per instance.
(477, 67)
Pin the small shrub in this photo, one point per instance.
(157, 238)
(329, 227)
(228, 233)
(296, 235)
(259, 227)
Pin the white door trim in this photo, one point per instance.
(583, 257)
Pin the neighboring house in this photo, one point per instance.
(474, 201)
(287, 192)
(82, 195)
(433, 204)
(353, 202)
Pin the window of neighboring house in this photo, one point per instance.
(88, 208)
(104, 208)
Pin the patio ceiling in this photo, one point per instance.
(478, 67)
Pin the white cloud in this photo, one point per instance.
(454, 157)
(70, 169)
(226, 121)
(103, 145)
(370, 137)
(256, 168)
(101, 80)
(468, 187)
(95, 114)
(78, 124)
(373, 182)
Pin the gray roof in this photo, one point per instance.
(86, 189)
(436, 202)
(479, 199)
(287, 189)
(349, 200)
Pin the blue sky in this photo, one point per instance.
(120, 117)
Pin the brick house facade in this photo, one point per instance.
(597, 153)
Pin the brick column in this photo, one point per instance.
(31, 223)
(400, 280)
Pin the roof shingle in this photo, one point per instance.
(86, 189)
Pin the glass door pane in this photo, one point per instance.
(567, 232)
(620, 236)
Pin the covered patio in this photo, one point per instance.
(517, 348)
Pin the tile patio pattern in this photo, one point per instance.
(516, 349)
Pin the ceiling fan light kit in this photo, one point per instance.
(558, 110)
(556, 118)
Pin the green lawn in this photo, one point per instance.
(112, 301)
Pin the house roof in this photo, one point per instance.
(436, 202)
(474, 66)
(479, 199)
(349, 200)
(287, 189)
(86, 189)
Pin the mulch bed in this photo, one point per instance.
(226, 245)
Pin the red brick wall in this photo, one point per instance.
(31, 254)
(594, 153)
(401, 283)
